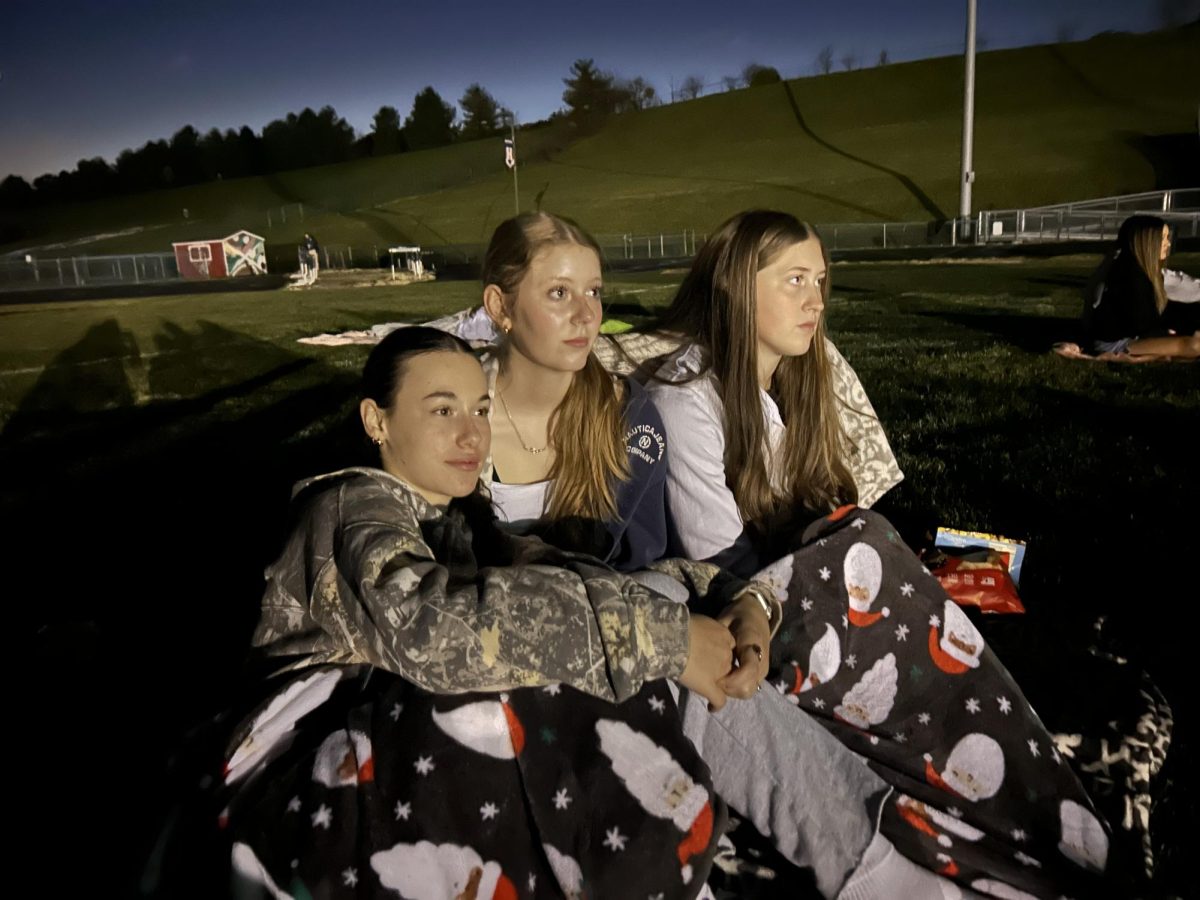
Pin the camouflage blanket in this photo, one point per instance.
(349, 781)
(874, 649)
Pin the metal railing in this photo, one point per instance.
(1089, 220)
(26, 272)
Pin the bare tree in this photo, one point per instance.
(1065, 32)
(691, 88)
(731, 82)
(637, 93)
(824, 61)
(848, 61)
(883, 58)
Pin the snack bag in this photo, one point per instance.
(979, 570)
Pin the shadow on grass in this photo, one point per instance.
(1101, 482)
(905, 181)
(144, 526)
(1034, 334)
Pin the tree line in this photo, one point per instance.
(313, 138)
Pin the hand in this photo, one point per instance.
(710, 658)
(751, 632)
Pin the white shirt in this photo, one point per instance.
(519, 506)
(703, 511)
(1181, 287)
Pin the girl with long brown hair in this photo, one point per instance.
(1125, 310)
(870, 645)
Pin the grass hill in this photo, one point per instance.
(1113, 114)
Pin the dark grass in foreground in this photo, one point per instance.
(148, 448)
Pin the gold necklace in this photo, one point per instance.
(520, 439)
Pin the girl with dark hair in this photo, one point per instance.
(404, 743)
(1126, 301)
(869, 644)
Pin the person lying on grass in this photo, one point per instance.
(1126, 309)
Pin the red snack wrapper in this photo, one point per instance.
(978, 577)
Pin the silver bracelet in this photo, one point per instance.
(756, 592)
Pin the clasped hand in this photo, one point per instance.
(728, 656)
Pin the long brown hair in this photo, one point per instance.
(587, 429)
(1141, 237)
(716, 306)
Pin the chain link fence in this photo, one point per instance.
(26, 272)
(1091, 220)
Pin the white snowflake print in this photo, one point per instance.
(1026, 859)
(614, 840)
(553, 689)
(1018, 834)
(403, 811)
(294, 805)
(907, 589)
(488, 811)
(851, 661)
(954, 811)
(822, 542)
(1033, 748)
(818, 703)
(845, 622)
(1054, 755)
(781, 686)
(350, 877)
(824, 573)
(323, 817)
(858, 523)
(902, 633)
(424, 765)
(562, 799)
(532, 882)
(924, 718)
(934, 621)
(900, 737)
(972, 705)
(396, 710)
(658, 896)
(806, 604)
(1005, 705)
(658, 704)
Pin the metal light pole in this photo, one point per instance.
(512, 134)
(968, 140)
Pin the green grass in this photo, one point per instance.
(1053, 123)
(148, 446)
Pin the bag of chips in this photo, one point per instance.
(978, 569)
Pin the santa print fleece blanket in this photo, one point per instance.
(874, 649)
(350, 782)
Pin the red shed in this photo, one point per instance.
(241, 253)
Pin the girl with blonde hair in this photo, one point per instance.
(1126, 310)
(760, 481)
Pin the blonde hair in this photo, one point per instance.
(716, 305)
(587, 429)
(1142, 237)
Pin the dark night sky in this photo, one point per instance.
(81, 79)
